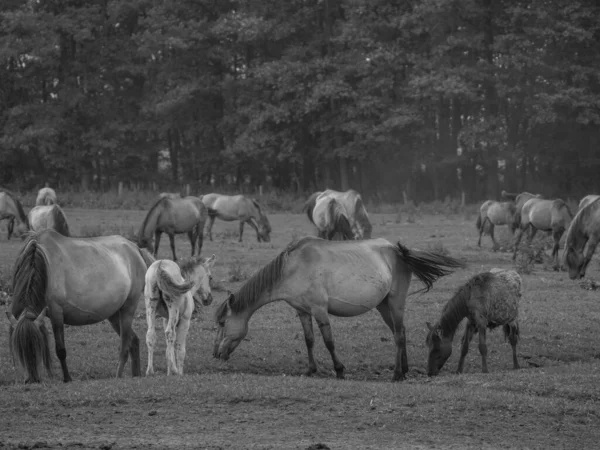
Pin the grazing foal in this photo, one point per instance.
(173, 291)
(488, 300)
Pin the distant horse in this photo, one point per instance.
(587, 200)
(169, 195)
(520, 200)
(342, 278)
(174, 216)
(330, 219)
(487, 300)
(11, 209)
(52, 216)
(174, 290)
(493, 213)
(582, 239)
(46, 196)
(547, 215)
(77, 281)
(237, 207)
(353, 205)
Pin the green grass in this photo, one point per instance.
(258, 397)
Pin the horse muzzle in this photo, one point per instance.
(207, 300)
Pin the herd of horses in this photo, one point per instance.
(342, 272)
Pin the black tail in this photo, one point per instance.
(212, 212)
(339, 221)
(309, 206)
(478, 222)
(428, 266)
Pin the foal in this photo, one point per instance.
(173, 290)
(488, 300)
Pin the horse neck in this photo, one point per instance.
(454, 312)
(149, 224)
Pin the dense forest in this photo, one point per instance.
(427, 97)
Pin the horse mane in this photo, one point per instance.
(339, 221)
(263, 280)
(262, 217)
(30, 276)
(309, 206)
(19, 206)
(187, 266)
(577, 227)
(360, 214)
(60, 221)
(456, 309)
(147, 218)
(559, 204)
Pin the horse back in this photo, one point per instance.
(500, 295)
(181, 214)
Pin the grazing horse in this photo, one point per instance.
(520, 200)
(587, 200)
(546, 215)
(343, 278)
(11, 209)
(77, 281)
(237, 207)
(173, 216)
(46, 196)
(174, 290)
(352, 203)
(330, 219)
(51, 216)
(493, 213)
(582, 239)
(487, 300)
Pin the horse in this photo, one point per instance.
(582, 239)
(353, 205)
(76, 281)
(174, 290)
(169, 195)
(330, 219)
(46, 196)
(487, 300)
(11, 209)
(493, 213)
(546, 215)
(342, 278)
(520, 200)
(587, 200)
(237, 207)
(173, 216)
(51, 216)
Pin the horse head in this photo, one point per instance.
(264, 229)
(232, 328)
(440, 349)
(575, 262)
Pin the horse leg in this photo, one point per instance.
(157, 235)
(483, 348)
(151, 333)
(323, 321)
(10, 227)
(181, 333)
(172, 242)
(309, 338)
(211, 221)
(495, 243)
(58, 329)
(200, 236)
(253, 225)
(241, 230)
(122, 322)
(556, 235)
(517, 242)
(512, 331)
(481, 232)
(170, 336)
(192, 237)
(134, 346)
(469, 332)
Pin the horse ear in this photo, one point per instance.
(40, 319)
(13, 321)
(429, 326)
(209, 262)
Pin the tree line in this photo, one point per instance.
(429, 98)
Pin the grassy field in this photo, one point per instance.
(259, 400)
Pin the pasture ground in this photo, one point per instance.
(258, 399)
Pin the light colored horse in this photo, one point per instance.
(237, 207)
(492, 213)
(587, 200)
(11, 209)
(174, 290)
(174, 216)
(582, 239)
(330, 219)
(46, 196)
(51, 216)
(546, 215)
(353, 205)
(77, 281)
(343, 278)
(520, 200)
(487, 300)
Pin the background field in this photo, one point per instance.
(258, 398)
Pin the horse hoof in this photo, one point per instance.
(398, 377)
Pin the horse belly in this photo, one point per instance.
(228, 211)
(359, 297)
(89, 309)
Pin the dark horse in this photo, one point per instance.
(77, 282)
(343, 278)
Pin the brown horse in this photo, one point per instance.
(77, 281)
(51, 216)
(582, 239)
(237, 207)
(587, 200)
(352, 203)
(331, 220)
(46, 196)
(11, 209)
(492, 213)
(519, 200)
(547, 215)
(487, 300)
(342, 278)
(174, 216)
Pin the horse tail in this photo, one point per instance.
(309, 206)
(60, 221)
(478, 222)
(339, 221)
(29, 341)
(146, 256)
(211, 212)
(169, 286)
(428, 266)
